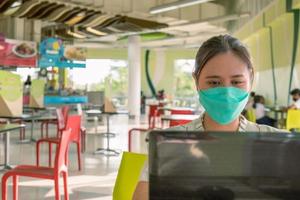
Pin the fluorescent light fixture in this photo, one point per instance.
(76, 35)
(175, 5)
(16, 4)
(94, 31)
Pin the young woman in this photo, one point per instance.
(223, 75)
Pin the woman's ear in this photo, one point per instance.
(195, 80)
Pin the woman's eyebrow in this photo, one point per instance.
(212, 77)
(238, 76)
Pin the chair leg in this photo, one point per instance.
(37, 153)
(15, 187)
(4, 186)
(149, 121)
(78, 155)
(42, 129)
(129, 140)
(57, 131)
(47, 129)
(23, 133)
(83, 138)
(50, 154)
(56, 187)
(65, 177)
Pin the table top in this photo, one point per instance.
(276, 109)
(179, 117)
(93, 112)
(30, 117)
(10, 127)
(118, 112)
(176, 108)
(33, 108)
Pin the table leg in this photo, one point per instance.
(31, 139)
(6, 150)
(107, 151)
(31, 131)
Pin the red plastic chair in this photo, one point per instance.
(42, 172)
(83, 138)
(178, 122)
(64, 113)
(130, 132)
(74, 123)
(181, 112)
(152, 115)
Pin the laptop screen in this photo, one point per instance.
(223, 165)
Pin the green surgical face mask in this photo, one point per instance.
(223, 104)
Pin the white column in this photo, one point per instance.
(19, 28)
(134, 76)
(37, 30)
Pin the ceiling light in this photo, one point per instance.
(94, 31)
(76, 35)
(175, 5)
(16, 4)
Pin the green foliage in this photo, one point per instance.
(119, 84)
(97, 86)
(184, 84)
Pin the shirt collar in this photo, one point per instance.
(197, 124)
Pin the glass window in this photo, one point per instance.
(185, 90)
(92, 78)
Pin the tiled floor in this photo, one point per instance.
(94, 182)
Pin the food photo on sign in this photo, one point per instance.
(73, 57)
(18, 53)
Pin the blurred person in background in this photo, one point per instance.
(296, 98)
(260, 112)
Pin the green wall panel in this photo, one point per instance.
(282, 40)
(296, 4)
(275, 10)
(96, 53)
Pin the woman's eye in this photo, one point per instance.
(214, 83)
(236, 82)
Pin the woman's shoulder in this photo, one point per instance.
(195, 125)
(254, 127)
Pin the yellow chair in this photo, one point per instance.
(128, 175)
(293, 119)
(250, 115)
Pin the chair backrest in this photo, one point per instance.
(293, 119)
(65, 112)
(62, 117)
(178, 122)
(181, 112)
(250, 115)
(62, 150)
(128, 175)
(74, 123)
(152, 110)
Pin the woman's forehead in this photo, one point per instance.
(225, 64)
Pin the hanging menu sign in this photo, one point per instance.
(17, 53)
(53, 53)
(51, 50)
(73, 57)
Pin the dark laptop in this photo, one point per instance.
(223, 166)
